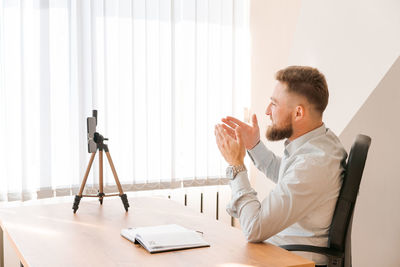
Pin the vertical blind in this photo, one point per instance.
(161, 74)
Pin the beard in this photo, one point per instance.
(275, 133)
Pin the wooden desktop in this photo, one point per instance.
(51, 235)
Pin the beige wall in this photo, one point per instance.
(376, 231)
(355, 44)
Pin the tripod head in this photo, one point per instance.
(95, 140)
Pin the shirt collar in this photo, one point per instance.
(291, 147)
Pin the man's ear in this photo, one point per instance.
(299, 113)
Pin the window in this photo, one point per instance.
(161, 74)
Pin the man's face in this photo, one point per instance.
(280, 113)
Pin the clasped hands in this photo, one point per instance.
(234, 137)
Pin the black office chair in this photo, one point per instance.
(339, 243)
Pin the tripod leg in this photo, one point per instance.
(79, 196)
(123, 196)
(101, 189)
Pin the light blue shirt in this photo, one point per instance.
(299, 209)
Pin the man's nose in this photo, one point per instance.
(268, 110)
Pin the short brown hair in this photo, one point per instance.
(307, 82)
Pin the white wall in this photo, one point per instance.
(272, 25)
(354, 43)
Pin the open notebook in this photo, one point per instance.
(164, 237)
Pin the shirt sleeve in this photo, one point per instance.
(265, 160)
(286, 204)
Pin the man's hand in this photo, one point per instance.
(250, 134)
(232, 149)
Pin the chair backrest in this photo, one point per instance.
(348, 193)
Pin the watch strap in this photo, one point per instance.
(238, 168)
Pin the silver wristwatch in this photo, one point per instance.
(232, 171)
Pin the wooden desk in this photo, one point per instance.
(51, 235)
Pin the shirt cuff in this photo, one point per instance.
(240, 183)
(240, 188)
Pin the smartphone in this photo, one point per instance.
(91, 129)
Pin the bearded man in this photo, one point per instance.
(308, 177)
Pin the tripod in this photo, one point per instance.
(99, 139)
